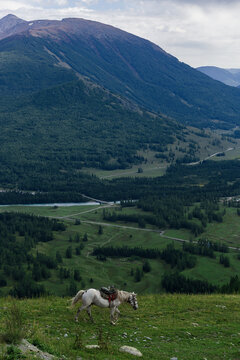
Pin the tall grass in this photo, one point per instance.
(14, 328)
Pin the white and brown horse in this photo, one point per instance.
(93, 297)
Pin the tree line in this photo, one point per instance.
(172, 256)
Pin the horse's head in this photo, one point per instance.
(133, 300)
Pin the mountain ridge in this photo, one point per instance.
(121, 62)
(229, 77)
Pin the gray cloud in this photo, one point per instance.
(192, 2)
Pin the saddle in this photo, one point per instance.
(109, 293)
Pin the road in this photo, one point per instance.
(160, 232)
(212, 155)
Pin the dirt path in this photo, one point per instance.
(160, 232)
(102, 244)
(120, 226)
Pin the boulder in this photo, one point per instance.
(130, 350)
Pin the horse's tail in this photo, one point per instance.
(77, 297)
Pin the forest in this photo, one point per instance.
(19, 234)
(206, 181)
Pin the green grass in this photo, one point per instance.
(164, 326)
(227, 232)
(50, 211)
(153, 167)
(118, 271)
(150, 169)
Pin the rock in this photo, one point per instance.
(148, 338)
(130, 350)
(26, 347)
(92, 347)
(195, 324)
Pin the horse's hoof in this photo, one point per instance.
(113, 323)
(76, 320)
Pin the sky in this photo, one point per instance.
(197, 32)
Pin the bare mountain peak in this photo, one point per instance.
(11, 20)
(10, 16)
(11, 24)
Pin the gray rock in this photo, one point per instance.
(92, 347)
(130, 350)
(26, 347)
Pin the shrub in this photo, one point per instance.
(14, 325)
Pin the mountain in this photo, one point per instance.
(227, 76)
(10, 25)
(48, 53)
(74, 125)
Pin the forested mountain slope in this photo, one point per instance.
(74, 125)
(52, 52)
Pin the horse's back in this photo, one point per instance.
(90, 294)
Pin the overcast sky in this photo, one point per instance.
(197, 32)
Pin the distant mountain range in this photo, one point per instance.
(227, 76)
(39, 54)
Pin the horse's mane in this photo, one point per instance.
(123, 295)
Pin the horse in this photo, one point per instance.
(93, 297)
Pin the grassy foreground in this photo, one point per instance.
(183, 326)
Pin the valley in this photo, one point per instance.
(121, 270)
(119, 164)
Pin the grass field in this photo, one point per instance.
(164, 326)
(118, 270)
(227, 232)
(153, 167)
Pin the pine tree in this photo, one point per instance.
(69, 252)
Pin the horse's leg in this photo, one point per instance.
(113, 309)
(79, 310)
(89, 313)
(118, 313)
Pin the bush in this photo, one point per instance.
(14, 325)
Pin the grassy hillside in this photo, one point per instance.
(164, 326)
(121, 270)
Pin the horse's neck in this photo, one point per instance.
(123, 295)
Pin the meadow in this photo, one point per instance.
(81, 220)
(165, 326)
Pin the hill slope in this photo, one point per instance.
(164, 326)
(78, 124)
(124, 63)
